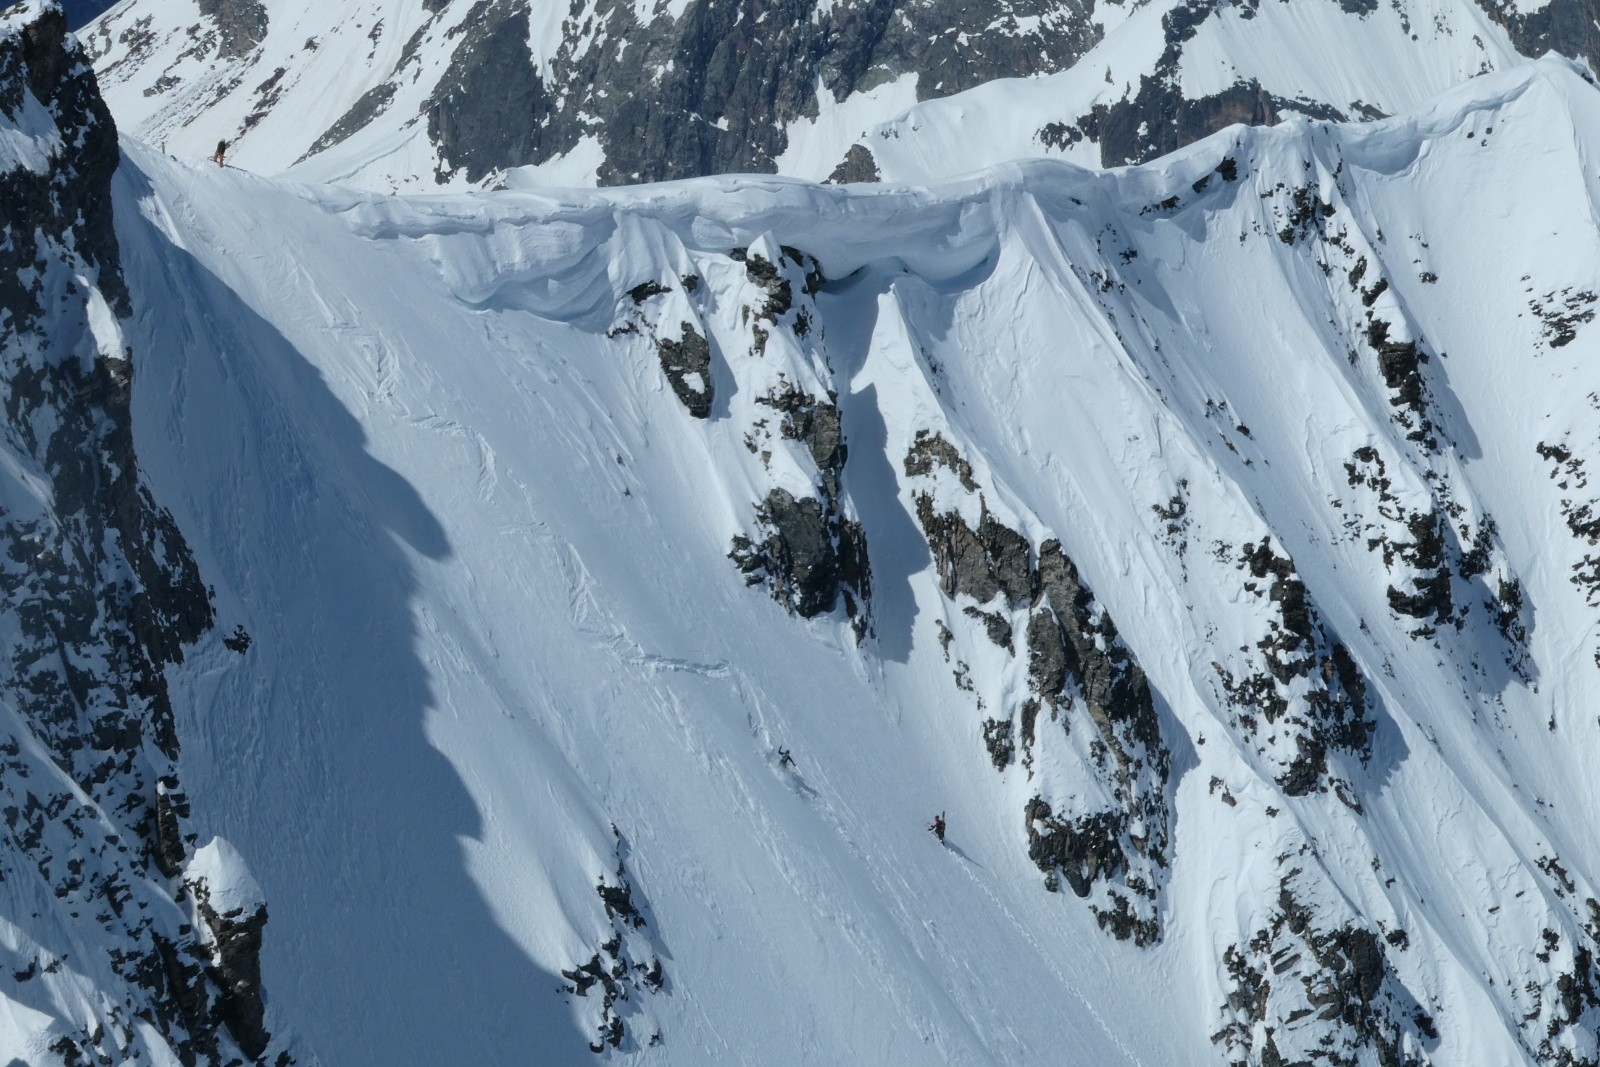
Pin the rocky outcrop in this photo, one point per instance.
(811, 554)
(674, 326)
(1562, 1020)
(1400, 363)
(238, 974)
(490, 108)
(981, 563)
(686, 362)
(656, 92)
(1158, 118)
(235, 922)
(1580, 511)
(808, 556)
(1105, 833)
(815, 423)
(1077, 663)
(241, 24)
(104, 595)
(1299, 695)
(1072, 643)
(711, 90)
(1309, 988)
(1567, 27)
(625, 969)
(857, 167)
(808, 549)
(805, 545)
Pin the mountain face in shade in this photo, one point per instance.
(124, 939)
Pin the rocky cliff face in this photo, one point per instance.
(100, 594)
(610, 92)
(711, 88)
(683, 90)
(1161, 113)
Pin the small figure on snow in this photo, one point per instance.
(222, 154)
(784, 759)
(938, 827)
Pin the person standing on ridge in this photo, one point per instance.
(222, 152)
(938, 827)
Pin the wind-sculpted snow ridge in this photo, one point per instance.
(632, 575)
(409, 96)
(119, 941)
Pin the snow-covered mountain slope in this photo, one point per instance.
(120, 942)
(573, 607)
(1178, 70)
(624, 579)
(401, 94)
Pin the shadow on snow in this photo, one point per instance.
(311, 753)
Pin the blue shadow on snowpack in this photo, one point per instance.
(379, 948)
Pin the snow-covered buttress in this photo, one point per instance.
(109, 952)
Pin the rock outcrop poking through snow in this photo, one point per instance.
(1314, 983)
(623, 970)
(100, 595)
(807, 547)
(612, 92)
(1096, 816)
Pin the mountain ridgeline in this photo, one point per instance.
(111, 945)
(458, 92)
(711, 89)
